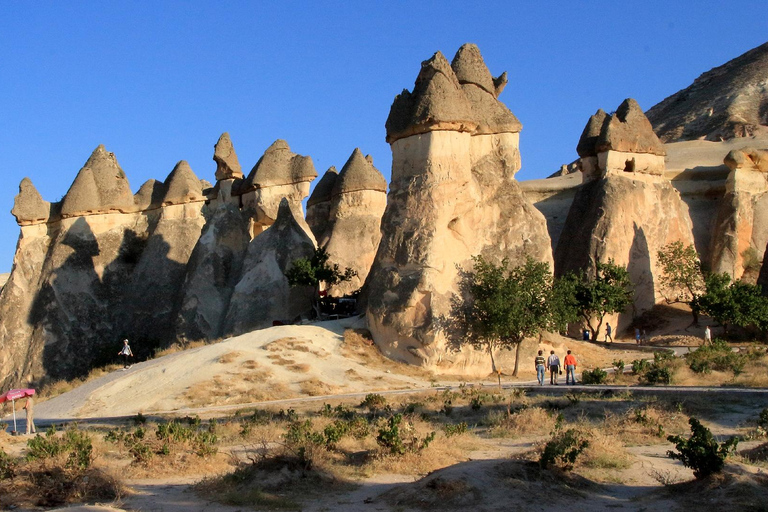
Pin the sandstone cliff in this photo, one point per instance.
(452, 195)
(626, 210)
(725, 102)
(353, 231)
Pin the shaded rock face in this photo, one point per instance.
(353, 231)
(740, 229)
(262, 293)
(452, 196)
(725, 102)
(628, 220)
(319, 203)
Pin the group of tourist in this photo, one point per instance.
(552, 363)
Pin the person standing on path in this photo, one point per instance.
(570, 368)
(707, 336)
(126, 353)
(29, 406)
(539, 363)
(554, 367)
(637, 335)
(608, 331)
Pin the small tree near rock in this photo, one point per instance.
(498, 307)
(682, 280)
(609, 292)
(315, 271)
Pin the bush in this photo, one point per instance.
(658, 375)
(77, 444)
(455, 430)
(718, 356)
(393, 438)
(701, 452)
(563, 449)
(374, 402)
(640, 366)
(596, 376)
(7, 465)
(762, 419)
(619, 365)
(301, 439)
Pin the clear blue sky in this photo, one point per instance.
(158, 82)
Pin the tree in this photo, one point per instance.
(609, 292)
(682, 280)
(734, 303)
(316, 272)
(498, 307)
(563, 306)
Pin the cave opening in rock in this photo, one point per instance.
(629, 166)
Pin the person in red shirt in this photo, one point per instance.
(570, 368)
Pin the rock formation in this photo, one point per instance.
(452, 196)
(626, 210)
(353, 231)
(227, 164)
(279, 174)
(740, 230)
(725, 102)
(319, 203)
(262, 293)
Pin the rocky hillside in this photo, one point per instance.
(725, 102)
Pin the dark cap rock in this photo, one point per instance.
(359, 174)
(470, 68)
(747, 157)
(100, 186)
(182, 185)
(628, 130)
(324, 187)
(227, 165)
(150, 195)
(280, 166)
(29, 205)
(587, 145)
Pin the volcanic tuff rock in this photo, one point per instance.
(625, 212)
(452, 196)
(227, 165)
(358, 199)
(725, 102)
(278, 174)
(740, 230)
(29, 206)
(319, 203)
(262, 293)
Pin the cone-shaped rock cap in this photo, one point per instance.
(182, 185)
(280, 166)
(100, 186)
(359, 174)
(437, 102)
(588, 141)
(29, 205)
(628, 130)
(324, 187)
(150, 195)
(227, 165)
(747, 157)
(482, 91)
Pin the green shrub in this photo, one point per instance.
(391, 438)
(476, 403)
(563, 449)
(302, 440)
(640, 366)
(717, 356)
(762, 419)
(75, 443)
(596, 376)
(7, 465)
(619, 365)
(701, 452)
(374, 402)
(455, 430)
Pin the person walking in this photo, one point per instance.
(707, 336)
(126, 353)
(570, 368)
(637, 335)
(29, 406)
(554, 367)
(608, 331)
(539, 363)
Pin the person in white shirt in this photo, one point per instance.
(553, 362)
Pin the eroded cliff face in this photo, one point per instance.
(625, 211)
(103, 264)
(455, 150)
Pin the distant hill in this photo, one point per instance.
(725, 102)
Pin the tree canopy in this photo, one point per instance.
(609, 292)
(316, 271)
(682, 279)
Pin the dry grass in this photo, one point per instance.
(358, 346)
(229, 357)
(528, 421)
(181, 347)
(279, 360)
(296, 345)
(250, 364)
(316, 387)
(255, 386)
(299, 368)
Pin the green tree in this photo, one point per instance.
(563, 306)
(682, 280)
(497, 307)
(734, 303)
(609, 292)
(316, 272)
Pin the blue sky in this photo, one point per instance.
(158, 82)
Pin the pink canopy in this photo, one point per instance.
(15, 394)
